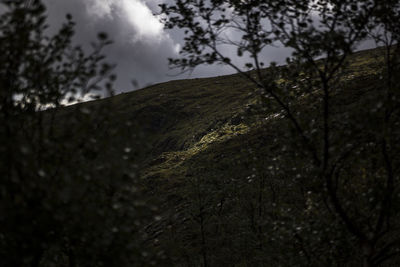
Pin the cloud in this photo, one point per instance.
(136, 13)
(99, 8)
(140, 16)
(141, 46)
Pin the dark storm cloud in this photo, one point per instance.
(141, 47)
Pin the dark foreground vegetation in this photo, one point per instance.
(294, 165)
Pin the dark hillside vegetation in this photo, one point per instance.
(234, 183)
(237, 185)
(329, 171)
(292, 165)
(231, 182)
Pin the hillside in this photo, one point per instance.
(184, 119)
(233, 183)
(286, 165)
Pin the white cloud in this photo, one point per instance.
(99, 8)
(139, 16)
(141, 47)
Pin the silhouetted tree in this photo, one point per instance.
(64, 200)
(343, 148)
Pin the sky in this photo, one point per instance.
(141, 45)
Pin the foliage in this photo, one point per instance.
(293, 165)
(64, 201)
(341, 164)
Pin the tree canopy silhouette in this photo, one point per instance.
(344, 151)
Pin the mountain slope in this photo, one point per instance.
(228, 167)
(172, 124)
(184, 118)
